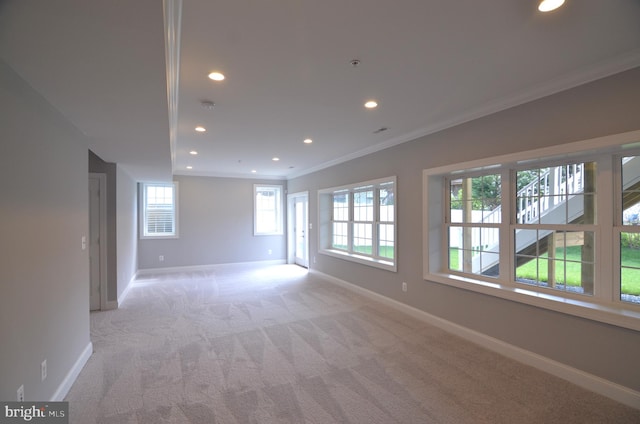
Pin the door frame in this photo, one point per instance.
(291, 219)
(102, 179)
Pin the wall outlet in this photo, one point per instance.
(161, 258)
(20, 393)
(404, 286)
(43, 370)
(269, 251)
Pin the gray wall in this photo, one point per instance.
(44, 273)
(215, 227)
(127, 229)
(604, 107)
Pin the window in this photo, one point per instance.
(475, 211)
(629, 230)
(358, 222)
(267, 209)
(554, 228)
(159, 210)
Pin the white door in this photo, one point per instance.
(94, 243)
(301, 225)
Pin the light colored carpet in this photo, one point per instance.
(272, 344)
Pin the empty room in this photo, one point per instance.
(320, 212)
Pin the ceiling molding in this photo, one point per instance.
(256, 176)
(604, 69)
(172, 31)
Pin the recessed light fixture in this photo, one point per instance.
(371, 104)
(193, 152)
(253, 171)
(307, 141)
(275, 159)
(189, 167)
(549, 5)
(216, 76)
(201, 129)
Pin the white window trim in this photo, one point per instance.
(279, 213)
(142, 214)
(602, 307)
(324, 214)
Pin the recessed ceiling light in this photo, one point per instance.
(275, 159)
(371, 104)
(549, 5)
(189, 167)
(201, 129)
(253, 171)
(307, 141)
(216, 76)
(193, 152)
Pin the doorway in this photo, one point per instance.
(97, 241)
(298, 228)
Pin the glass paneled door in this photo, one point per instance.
(301, 225)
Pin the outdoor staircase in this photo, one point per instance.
(538, 202)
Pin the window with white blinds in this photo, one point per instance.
(159, 210)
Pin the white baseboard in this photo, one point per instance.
(125, 292)
(580, 378)
(142, 272)
(72, 375)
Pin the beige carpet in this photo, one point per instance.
(272, 344)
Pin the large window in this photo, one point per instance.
(159, 210)
(358, 222)
(552, 228)
(267, 209)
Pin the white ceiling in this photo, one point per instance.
(429, 64)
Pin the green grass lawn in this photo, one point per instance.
(385, 251)
(630, 270)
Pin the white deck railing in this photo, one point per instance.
(550, 189)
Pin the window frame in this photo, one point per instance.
(327, 221)
(605, 304)
(143, 211)
(278, 215)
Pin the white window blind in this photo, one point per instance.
(159, 210)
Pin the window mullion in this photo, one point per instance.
(351, 222)
(507, 228)
(375, 249)
(609, 188)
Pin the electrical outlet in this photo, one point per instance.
(20, 393)
(404, 286)
(161, 258)
(43, 370)
(269, 251)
